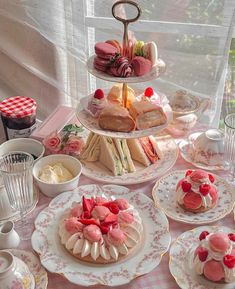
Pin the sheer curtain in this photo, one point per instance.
(45, 44)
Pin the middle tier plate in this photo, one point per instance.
(91, 123)
(169, 149)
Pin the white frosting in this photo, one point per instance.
(198, 265)
(79, 245)
(54, 174)
(206, 200)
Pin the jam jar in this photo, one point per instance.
(18, 115)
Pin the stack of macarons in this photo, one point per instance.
(136, 60)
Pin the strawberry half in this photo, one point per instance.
(202, 254)
(186, 186)
(204, 189)
(89, 222)
(105, 228)
(203, 235)
(114, 209)
(231, 237)
(188, 173)
(211, 178)
(229, 261)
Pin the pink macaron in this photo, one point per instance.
(92, 233)
(125, 217)
(100, 212)
(101, 64)
(141, 65)
(72, 225)
(199, 176)
(219, 242)
(116, 237)
(105, 50)
(214, 271)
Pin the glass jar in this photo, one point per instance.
(18, 115)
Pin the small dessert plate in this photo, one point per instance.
(164, 196)
(186, 151)
(34, 265)
(154, 73)
(53, 256)
(180, 261)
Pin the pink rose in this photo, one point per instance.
(74, 145)
(52, 142)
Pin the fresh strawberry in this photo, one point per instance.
(111, 218)
(148, 92)
(186, 186)
(87, 204)
(204, 189)
(229, 261)
(114, 209)
(188, 173)
(99, 94)
(89, 222)
(211, 178)
(231, 237)
(203, 235)
(105, 228)
(202, 254)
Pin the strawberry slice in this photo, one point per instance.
(186, 186)
(202, 254)
(203, 235)
(105, 228)
(231, 237)
(114, 208)
(89, 222)
(229, 261)
(110, 219)
(211, 178)
(87, 204)
(188, 172)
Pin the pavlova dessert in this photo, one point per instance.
(100, 229)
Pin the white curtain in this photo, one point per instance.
(45, 44)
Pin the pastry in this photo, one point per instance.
(105, 50)
(97, 103)
(150, 95)
(196, 192)
(115, 95)
(116, 118)
(214, 257)
(101, 230)
(147, 114)
(141, 65)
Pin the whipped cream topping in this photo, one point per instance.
(54, 174)
(206, 200)
(198, 265)
(128, 231)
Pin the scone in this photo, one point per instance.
(214, 258)
(196, 191)
(101, 230)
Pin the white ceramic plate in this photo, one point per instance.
(34, 265)
(46, 242)
(186, 151)
(164, 196)
(155, 72)
(169, 149)
(15, 216)
(180, 257)
(91, 123)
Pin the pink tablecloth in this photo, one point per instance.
(160, 277)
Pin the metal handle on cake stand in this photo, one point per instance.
(125, 37)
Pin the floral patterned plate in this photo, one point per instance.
(46, 242)
(97, 171)
(33, 263)
(186, 151)
(155, 72)
(91, 123)
(164, 196)
(180, 259)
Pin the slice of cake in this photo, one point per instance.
(214, 258)
(101, 230)
(196, 192)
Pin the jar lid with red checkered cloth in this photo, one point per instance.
(18, 107)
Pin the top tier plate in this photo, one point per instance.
(155, 72)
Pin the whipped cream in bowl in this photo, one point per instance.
(57, 173)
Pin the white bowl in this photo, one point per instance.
(28, 145)
(14, 273)
(208, 147)
(69, 162)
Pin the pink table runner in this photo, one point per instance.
(160, 277)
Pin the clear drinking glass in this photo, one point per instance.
(229, 146)
(16, 170)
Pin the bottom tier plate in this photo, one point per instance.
(169, 149)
